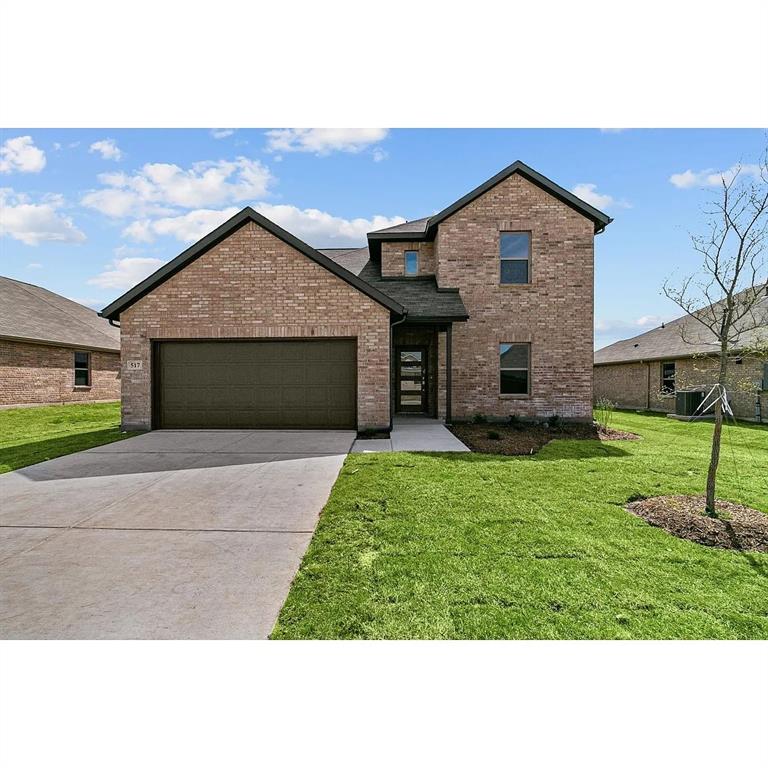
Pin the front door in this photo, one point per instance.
(411, 379)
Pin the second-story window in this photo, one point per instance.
(411, 263)
(515, 255)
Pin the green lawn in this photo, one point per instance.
(30, 435)
(478, 546)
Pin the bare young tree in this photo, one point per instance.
(724, 296)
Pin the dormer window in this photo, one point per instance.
(411, 263)
(515, 255)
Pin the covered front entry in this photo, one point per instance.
(420, 369)
(307, 383)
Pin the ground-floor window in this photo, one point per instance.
(668, 378)
(82, 369)
(514, 369)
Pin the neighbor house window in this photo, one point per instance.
(765, 377)
(514, 369)
(82, 369)
(668, 378)
(515, 255)
(411, 262)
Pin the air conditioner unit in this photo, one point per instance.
(687, 401)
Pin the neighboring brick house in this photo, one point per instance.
(645, 372)
(485, 307)
(53, 350)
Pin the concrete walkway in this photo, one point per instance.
(413, 433)
(168, 535)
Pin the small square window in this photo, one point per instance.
(514, 369)
(82, 366)
(411, 262)
(515, 257)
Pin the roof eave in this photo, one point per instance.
(58, 343)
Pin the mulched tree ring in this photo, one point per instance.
(525, 438)
(736, 527)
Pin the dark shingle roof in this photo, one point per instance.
(29, 312)
(415, 227)
(352, 259)
(667, 342)
(419, 295)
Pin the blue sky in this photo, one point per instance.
(87, 213)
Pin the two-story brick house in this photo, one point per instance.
(485, 307)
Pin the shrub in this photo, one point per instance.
(554, 421)
(493, 435)
(478, 418)
(515, 422)
(604, 409)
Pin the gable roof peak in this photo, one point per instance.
(202, 246)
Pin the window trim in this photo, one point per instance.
(667, 390)
(76, 368)
(528, 259)
(406, 273)
(529, 388)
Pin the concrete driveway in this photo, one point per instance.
(171, 534)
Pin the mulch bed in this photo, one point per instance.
(737, 527)
(529, 438)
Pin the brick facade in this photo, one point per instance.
(393, 258)
(36, 374)
(253, 285)
(554, 313)
(638, 385)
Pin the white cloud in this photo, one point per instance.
(650, 321)
(56, 146)
(320, 228)
(122, 273)
(323, 141)
(187, 227)
(589, 194)
(107, 148)
(221, 133)
(157, 186)
(379, 155)
(34, 265)
(33, 223)
(316, 227)
(711, 178)
(612, 130)
(20, 154)
(630, 327)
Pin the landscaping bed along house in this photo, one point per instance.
(526, 438)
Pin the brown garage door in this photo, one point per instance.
(210, 384)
